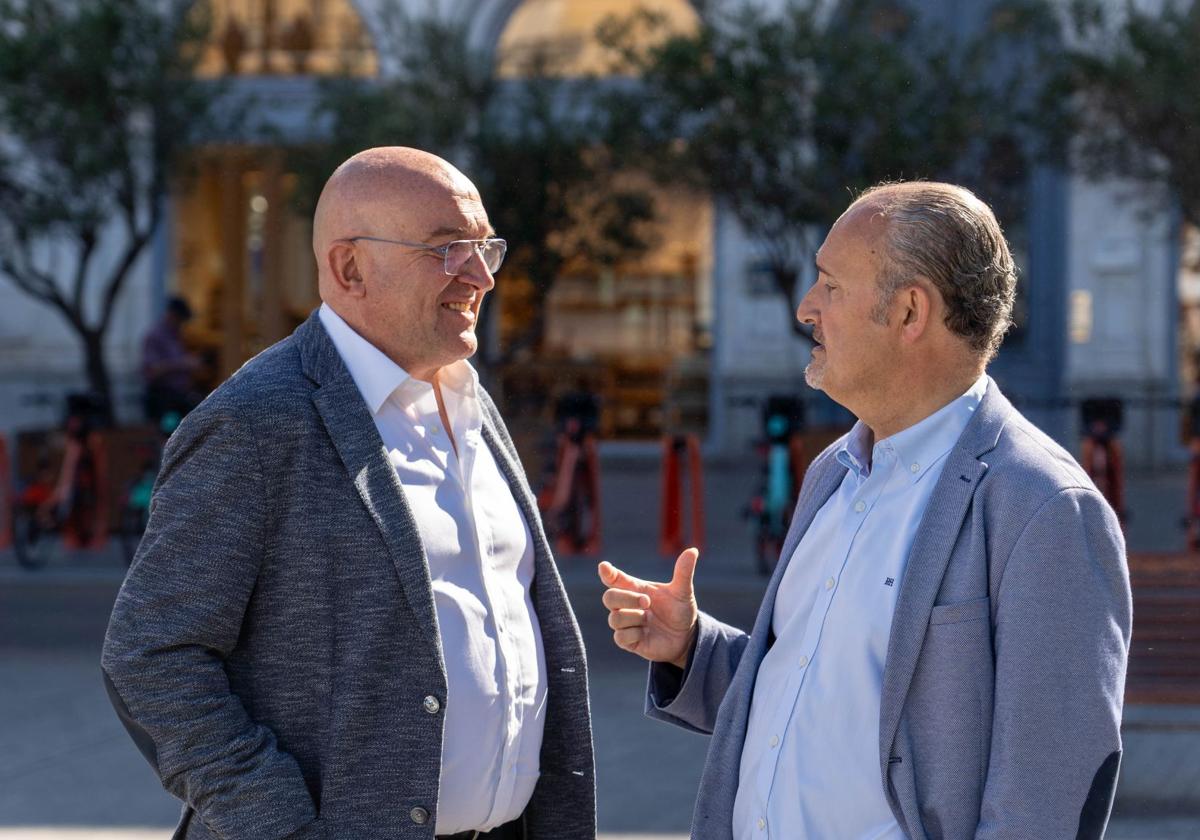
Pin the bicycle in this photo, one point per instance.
(781, 451)
(63, 505)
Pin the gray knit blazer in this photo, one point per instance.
(275, 643)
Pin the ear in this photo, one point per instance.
(342, 259)
(917, 305)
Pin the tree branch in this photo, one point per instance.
(87, 245)
(40, 287)
(137, 242)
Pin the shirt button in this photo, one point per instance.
(419, 815)
(432, 705)
(435, 430)
(761, 823)
(774, 740)
(914, 468)
(802, 661)
(860, 506)
(829, 583)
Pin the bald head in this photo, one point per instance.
(389, 191)
(378, 227)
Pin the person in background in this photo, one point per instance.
(167, 366)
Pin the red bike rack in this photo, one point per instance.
(1193, 497)
(87, 525)
(680, 451)
(6, 495)
(1101, 453)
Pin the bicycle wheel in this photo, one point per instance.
(32, 543)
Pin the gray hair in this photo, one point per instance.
(944, 233)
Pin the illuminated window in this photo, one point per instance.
(565, 32)
(284, 37)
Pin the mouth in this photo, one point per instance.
(457, 306)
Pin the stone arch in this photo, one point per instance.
(494, 18)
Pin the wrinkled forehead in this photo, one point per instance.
(420, 206)
(859, 232)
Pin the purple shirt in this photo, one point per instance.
(163, 345)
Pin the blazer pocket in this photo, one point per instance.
(972, 610)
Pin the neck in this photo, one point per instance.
(912, 400)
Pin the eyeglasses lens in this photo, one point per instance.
(459, 253)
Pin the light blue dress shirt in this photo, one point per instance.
(810, 764)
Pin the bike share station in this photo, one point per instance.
(78, 489)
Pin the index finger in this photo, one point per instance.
(614, 578)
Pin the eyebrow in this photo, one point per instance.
(821, 268)
(459, 232)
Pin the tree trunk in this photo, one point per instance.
(99, 382)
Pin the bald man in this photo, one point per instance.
(344, 620)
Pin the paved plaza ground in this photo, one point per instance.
(68, 771)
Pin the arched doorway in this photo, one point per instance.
(639, 335)
(242, 254)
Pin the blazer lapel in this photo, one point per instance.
(929, 557)
(358, 444)
(819, 485)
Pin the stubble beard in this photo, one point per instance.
(814, 374)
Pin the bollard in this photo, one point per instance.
(678, 451)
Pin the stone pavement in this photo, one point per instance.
(68, 770)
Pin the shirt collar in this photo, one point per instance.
(374, 373)
(855, 454)
(377, 376)
(918, 447)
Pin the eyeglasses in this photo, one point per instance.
(455, 254)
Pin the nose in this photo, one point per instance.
(475, 272)
(806, 312)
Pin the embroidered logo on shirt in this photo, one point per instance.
(890, 582)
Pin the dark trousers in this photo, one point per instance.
(508, 831)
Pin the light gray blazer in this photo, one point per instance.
(274, 643)
(1002, 690)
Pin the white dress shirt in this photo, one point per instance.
(810, 763)
(480, 556)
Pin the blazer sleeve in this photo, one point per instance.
(178, 616)
(1062, 633)
(690, 698)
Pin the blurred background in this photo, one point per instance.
(663, 171)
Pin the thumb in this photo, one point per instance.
(685, 570)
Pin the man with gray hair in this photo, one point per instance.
(941, 651)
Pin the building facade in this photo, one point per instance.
(690, 337)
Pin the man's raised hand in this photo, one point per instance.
(657, 621)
